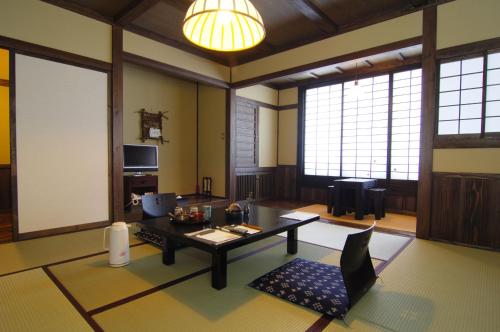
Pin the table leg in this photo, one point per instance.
(219, 270)
(292, 241)
(168, 251)
(337, 207)
(360, 204)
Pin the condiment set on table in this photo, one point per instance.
(194, 216)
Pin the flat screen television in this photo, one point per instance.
(140, 158)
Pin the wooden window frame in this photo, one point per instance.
(318, 181)
(464, 52)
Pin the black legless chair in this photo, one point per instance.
(155, 206)
(356, 265)
(158, 205)
(328, 289)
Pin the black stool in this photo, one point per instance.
(377, 196)
(329, 199)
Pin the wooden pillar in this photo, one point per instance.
(230, 144)
(117, 120)
(13, 145)
(427, 121)
(300, 143)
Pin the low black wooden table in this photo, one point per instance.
(266, 218)
(359, 186)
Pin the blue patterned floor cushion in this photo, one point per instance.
(317, 286)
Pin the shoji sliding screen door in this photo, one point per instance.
(61, 143)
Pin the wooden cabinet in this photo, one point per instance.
(139, 185)
(465, 209)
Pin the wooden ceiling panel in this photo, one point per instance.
(289, 23)
(373, 63)
(107, 8)
(284, 24)
(164, 19)
(349, 12)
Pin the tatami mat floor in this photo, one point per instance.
(30, 301)
(428, 287)
(433, 287)
(16, 256)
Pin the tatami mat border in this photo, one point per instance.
(176, 281)
(72, 300)
(319, 325)
(380, 267)
(65, 261)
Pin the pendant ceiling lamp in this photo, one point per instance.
(223, 25)
(356, 90)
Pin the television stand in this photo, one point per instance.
(138, 184)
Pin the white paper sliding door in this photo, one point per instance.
(62, 144)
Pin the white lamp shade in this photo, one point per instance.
(223, 25)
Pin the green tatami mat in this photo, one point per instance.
(382, 245)
(435, 287)
(29, 301)
(27, 254)
(94, 284)
(357, 325)
(194, 305)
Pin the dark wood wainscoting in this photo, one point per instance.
(261, 183)
(466, 209)
(5, 205)
(313, 195)
(401, 196)
(286, 182)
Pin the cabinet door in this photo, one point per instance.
(466, 209)
(494, 212)
(446, 206)
(473, 222)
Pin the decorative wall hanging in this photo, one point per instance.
(151, 126)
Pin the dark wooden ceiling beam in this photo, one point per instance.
(74, 7)
(418, 3)
(315, 14)
(133, 11)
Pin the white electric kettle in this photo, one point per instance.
(119, 253)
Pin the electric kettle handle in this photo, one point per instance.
(104, 239)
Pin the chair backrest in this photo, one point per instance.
(159, 205)
(356, 265)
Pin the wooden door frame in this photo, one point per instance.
(14, 47)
